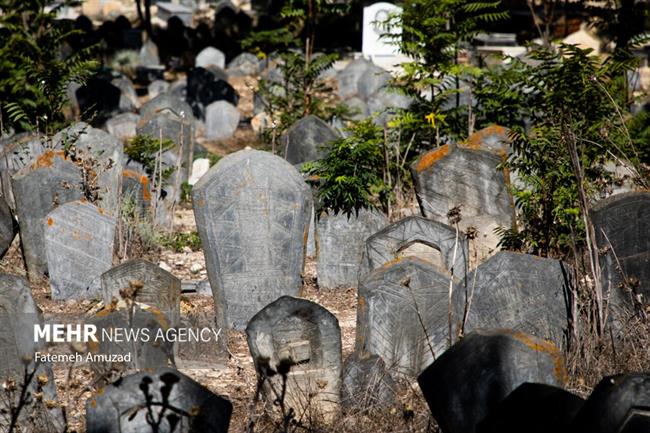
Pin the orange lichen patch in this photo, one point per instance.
(392, 262)
(159, 315)
(543, 346)
(476, 140)
(429, 158)
(50, 221)
(46, 159)
(93, 403)
(146, 192)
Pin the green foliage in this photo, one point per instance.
(351, 176)
(186, 192)
(639, 127)
(145, 149)
(34, 71)
(178, 241)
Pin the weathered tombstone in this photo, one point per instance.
(619, 403)
(479, 189)
(128, 97)
(7, 227)
(252, 213)
(168, 10)
(305, 139)
(79, 248)
(403, 314)
(385, 102)
(123, 126)
(50, 181)
(135, 187)
(18, 316)
(367, 383)
(166, 102)
(221, 120)
(358, 107)
(102, 152)
(200, 167)
(205, 86)
(521, 292)
(350, 77)
(533, 408)
(476, 374)
(244, 64)
(374, 43)
(148, 55)
(157, 87)
(169, 125)
(150, 284)
(301, 341)
(623, 233)
(182, 405)
(374, 80)
(393, 240)
(339, 242)
(210, 56)
(493, 138)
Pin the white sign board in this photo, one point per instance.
(373, 44)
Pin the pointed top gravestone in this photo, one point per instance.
(305, 140)
(252, 212)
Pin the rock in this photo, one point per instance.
(301, 341)
(200, 167)
(622, 232)
(340, 241)
(148, 55)
(476, 374)
(123, 406)
(522, 292)
(205, 87)
(358, 107)
(221, 120)
(403, 314)
(244, 64)
(350, 77)
(128, 97)
(50, 181)
(305, 140)
(151, 285)
(210, 56)
(617, 404)
(533, 408)
(252, 213)
(367, 383)
(480, 190)
(79, 248)
(123, 126)
(374, 79)
(157, 87)
(7, 227)
(394, 240)
(195, 268)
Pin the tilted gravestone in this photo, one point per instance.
(390, 242)
(18, 316)
(153, 286)
(623, 234)
(7, 227)
(367, 383)
(221, 120)
(79, 239)
(49, 182)
(102, 153)
(252, 213)
(181, 404)
(305, 139)
(470, 379)
(339, 242)
(403, 314)
(619, 403)
(521, 292)
(533, 408)
(301, 341)
(136, 189)
(479, 189)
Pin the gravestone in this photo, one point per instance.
(244, 64)
(301, 339)
(101, 151)
(493, 138)
(388, 244)
(386, 102)
(622, 232)
(619, 403)
(128, 97)
(221, 120)
(252, 213)
(148, 55)
(403, 314)
(135, 187)
(205, 86)
(470, 379)
(98, 99)
(374, 80)
(168, 124)
(79, 240)
(210, 56)
(50, 181)
(168, 10)
(18, 316)
(350, 77)
(374, 44)
(358, 107)
(304, 140)
(7, 227)
(200, 167)
(166, 102)
(123, 126)
(479, 188)
(157, 87)
(123, 406)
(521, 292)
(339, 242)
(366, 383)
(154, 286)
(533, 408)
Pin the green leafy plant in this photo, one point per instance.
(180, 240)
(145, 150)
(34, 71)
